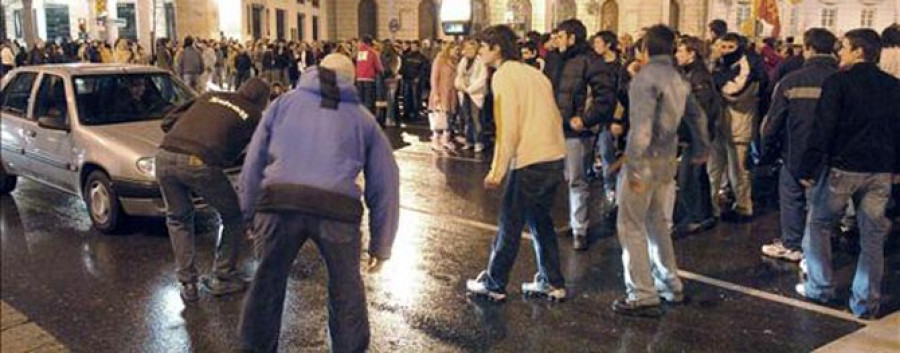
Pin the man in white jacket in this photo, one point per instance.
(471, 82)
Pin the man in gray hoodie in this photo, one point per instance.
(189, 65)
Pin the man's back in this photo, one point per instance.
(857, 125)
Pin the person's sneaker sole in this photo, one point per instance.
(645, 311)
(542, 295)
(491, 297)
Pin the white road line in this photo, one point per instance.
(882, 336)
(824, 310)
(442, 155)
(797, 303)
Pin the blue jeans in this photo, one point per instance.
(607, 146)
(471, 114)
(793, 202)
(643, 224)
(279, 239)
(527, 198)
(870, 193)
(366, 91)
(693, 203)
(579, 159)
(179, 176)
(412, 100)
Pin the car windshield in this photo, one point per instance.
(122, 98)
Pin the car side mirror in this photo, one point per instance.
(53, 122)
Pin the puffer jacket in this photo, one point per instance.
(606, 81)
(735, 80)
(570, 83)
(790, 118)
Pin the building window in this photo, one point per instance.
(301, 26)
(868, 17)
(828, 17)
(57, 21)
(18, 25)
(315, 3)
(301, 2)
(315, 28)
(743, 13)
(279, 24)
(125, 12)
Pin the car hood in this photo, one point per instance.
(141, 138)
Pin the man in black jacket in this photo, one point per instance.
(607, 81)
(570, 82)
(856, 137)
(789, 124)
(411, 70)
(202, 139)
(693, 204)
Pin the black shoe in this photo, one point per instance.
(735, 217)
(708, 224)
(219, 287)
(624, 307)
(189, 292)
(686, 229)
(580, 242)
(677, 300)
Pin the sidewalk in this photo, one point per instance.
(19, 335)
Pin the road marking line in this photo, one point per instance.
(879, 337)
(442, 155)
(824, 310)
(797, 303)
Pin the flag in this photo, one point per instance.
(768, 11)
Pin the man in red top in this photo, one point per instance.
(368, 67)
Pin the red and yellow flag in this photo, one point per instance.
(768, 11)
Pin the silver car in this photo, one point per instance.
(90, 130)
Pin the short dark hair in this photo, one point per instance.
(868, 40)
(574, 27)
(695, 45)
(503, 37)
(890, 37)
(732, 38)
(188, 41)
(367, 39)
(820, 40)
(718, 27)
(610, 38)
(660, 40)
(532, 46)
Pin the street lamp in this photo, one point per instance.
(456, 17)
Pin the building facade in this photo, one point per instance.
(308, 20)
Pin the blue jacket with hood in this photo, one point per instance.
(308, 151)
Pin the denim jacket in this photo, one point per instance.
(659, 98)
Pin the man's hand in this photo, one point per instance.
(616, 129)
(577, 124)
(374, 265)
(637, 186)
(807, 183)
(490, 184)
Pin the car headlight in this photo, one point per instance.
(147, 166)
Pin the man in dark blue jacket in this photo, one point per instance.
(856, 137)
(299, 184)
(789, 124)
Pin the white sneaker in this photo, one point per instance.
(800, 288)
(541, 288)
(777, 250)
(479, 147)
(478, 287)
(466, 146)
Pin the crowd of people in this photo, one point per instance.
(672, 125)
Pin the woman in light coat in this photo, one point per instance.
(442, 101)
(471, 82)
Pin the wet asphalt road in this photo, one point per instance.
(101, 293)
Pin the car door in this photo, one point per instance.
(52, 150)
(14, 122)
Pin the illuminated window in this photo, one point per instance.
(828, 17)
(868, 17)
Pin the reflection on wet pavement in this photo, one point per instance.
(100, 293)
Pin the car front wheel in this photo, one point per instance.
(102, 202)
(7, 181)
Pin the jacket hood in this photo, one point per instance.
(311, 81)
(256, 91)
(733, 57)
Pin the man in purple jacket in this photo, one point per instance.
(299, 181)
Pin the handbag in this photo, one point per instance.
(437, 120)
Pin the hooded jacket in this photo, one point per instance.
(308, 151)
(570, 84)
(189, 61)
(216, 126)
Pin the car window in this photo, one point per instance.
(121, 98)
(15, 95)
(52, 97)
